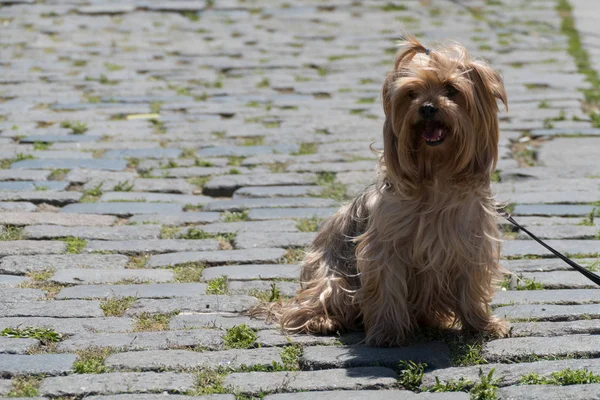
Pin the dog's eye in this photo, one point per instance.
(451, 91)
(412, 94)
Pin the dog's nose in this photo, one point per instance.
(427, 111)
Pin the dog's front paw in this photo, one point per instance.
(498, 327)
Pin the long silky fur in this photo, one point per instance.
(420, 247)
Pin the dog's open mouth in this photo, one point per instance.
(434, 133)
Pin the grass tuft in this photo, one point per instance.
(188, 272)
(308, 224)
(74, 245)
(217, 285)
(44, 335)
(91, 361)
(240, 337)
(116, 307)
(147, 322)
(235, 216)
(76, 127)
(11, 232)
(562, 378)
(411, 374)
(25, 386)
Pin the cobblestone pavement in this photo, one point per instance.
(165, 164)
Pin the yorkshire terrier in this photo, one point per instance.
(420, 247)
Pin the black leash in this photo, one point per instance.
(590, 275)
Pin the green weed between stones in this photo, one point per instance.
(44, 335)
(308, 224)
(76, 127)
(306, 148)
(561, 378)
(25, 386)
(466, 350)
(240, 337)
(91, 361)
(290, 356)
(460, 385)
(74, 245)
(528, 284)
(42, 275)
(152, 322)
(217, 285)
(235, 216)
(293, 256)
(411, 374)
(269, 296)
(58, 174)
(39, 146)
(125, 186)
(116, 307)
(188, 272)
(92, 195)
(486, 388)
(11, 232)
(332, 188)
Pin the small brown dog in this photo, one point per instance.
(420, 247)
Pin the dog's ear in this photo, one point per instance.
(485, 78)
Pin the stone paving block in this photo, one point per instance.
(200, 304)
(81, 176)
(246, 151)
(547, 296)
(520, 248)
(277, 191)
(109, 165)
(161, 397)
(21, 265)
(251, 226)
(122, 209)
(556, 346)
(23, 175)
(254, 256)
(368, 394)
(156, 198)
(251, 272)
(165, 186)
(133, 247)
(34, 185)
(142, 153)
(562, 280)
(48, 197)
(210, 339)
(544, 265)
(11, 281)
(274, 338)
(114, 383)
(78, 276)
(30, 247)
(133, 232)
(10, 345)
(14, 295)
(251, 240)
(562, 210)
(434, 354)
(353, 378)
(519, 329)
(550, 392)
(216, 321)
(509, 374)
(47, 218)
(48, 364)
(140, 291)
(261, 214)
(226, 185)
(66, 309)
(177, 359)
(563, 232)
(548, 312)
(288, 289)
(177, 219)
(243, 204)
(5, 386)
(70, 326)
(20, 206)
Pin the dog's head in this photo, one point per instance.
(441, 114)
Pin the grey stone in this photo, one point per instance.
(30, 247)
(133, 247)
(251, 240)
(563, 232)
(243, 204)
(36, 197)
(113, 383)
(140, 291)
(369, 394)
(109, 165)
(566, 132)
(47, 218)
(277, 191)
(261, 214)
(211, 339)
(246, 151)
(251, 226)
(110, 9)
(509, 374)
(54, 139)
(81, 176)
(272, 338)
(161, 397)
(217, 321)
(353, 378)
(71, 326)
(548, 312)
(8, 175)
(123, 209)
(561, 280)
(226, 185)
(11, 281)
(512, 248)
(544, 265)
(156, 198)
(562, 210)
(551, 392)
(200, 304)
(182, 359)
(548, 296)
(67, 309)
(21, 265)
(14, 295)
(555, 346)
(48, 364)
(252, 287)
(178, 219)
(10, 345)
(20, 206)
(34, 185)
(250, 272)
(5, 386)
(434, 354)
(136, 232)
(520, 329)
(78, 276)
(142, 153)
(217, 257)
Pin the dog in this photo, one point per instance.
(420, 247)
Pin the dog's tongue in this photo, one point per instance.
(433, 131)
